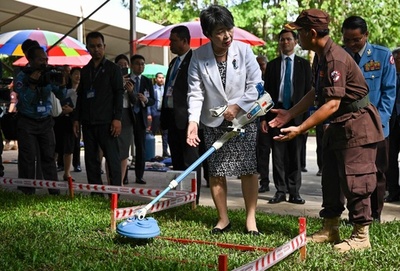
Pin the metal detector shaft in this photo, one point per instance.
(174, 183)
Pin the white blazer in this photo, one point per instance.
(205, 85)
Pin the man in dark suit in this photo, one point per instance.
(174, 112)
(287, 80)
(143, 96)
(154, 112)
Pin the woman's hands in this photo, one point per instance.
(192, 139)
(231, 112)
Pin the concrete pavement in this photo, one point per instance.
(310, 190)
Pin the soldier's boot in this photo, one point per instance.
(329, 232)
(358, 240)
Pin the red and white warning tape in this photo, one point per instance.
(275, 256)
(121, 213)
(122, 190)
(34, 183)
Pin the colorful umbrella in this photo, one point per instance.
(73, 61)
(150, 70)
(161, 37)
(10, 43)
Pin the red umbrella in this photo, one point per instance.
(161, 37)
(73, 61)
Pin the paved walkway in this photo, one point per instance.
(310, 190)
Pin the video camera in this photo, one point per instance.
(50, 74)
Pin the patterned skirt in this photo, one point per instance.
(237, 156)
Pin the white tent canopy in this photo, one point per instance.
(112, 20)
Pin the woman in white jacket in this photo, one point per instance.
(225, 72)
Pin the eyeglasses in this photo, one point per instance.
(353, 40)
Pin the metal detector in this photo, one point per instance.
(140, 227)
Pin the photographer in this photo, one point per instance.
(35, 124)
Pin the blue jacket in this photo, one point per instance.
(29, 99)
(377, 66)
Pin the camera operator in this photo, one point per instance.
(35, 124)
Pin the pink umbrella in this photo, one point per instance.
(161, 37)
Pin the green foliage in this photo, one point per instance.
(265, 18)
(7, 65)
(383, 18)
(57, 233)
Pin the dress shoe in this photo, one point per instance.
(304, 169)
(219, 230)
(263, 188)
(77, 169)
(254, 233)
(319, 173)
(125, 181)
(66, 178)
(296, 200)
(392, 198)
(277, 198)
(140, 181)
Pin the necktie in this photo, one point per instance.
(287, 85)
(171, 80)
(357, 58)
(136, 107)
(175, 70)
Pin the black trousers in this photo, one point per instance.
(303, 151)
(36, 139)
(263, 151)
(96, 136)
(202, 150)
(182, 155)
(1, 159)
(139, 132)
(76, 157)
(286, 165)
(319, 129)
(392, 174)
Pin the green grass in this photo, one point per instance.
(56, 233)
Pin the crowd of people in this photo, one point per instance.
(350, 94)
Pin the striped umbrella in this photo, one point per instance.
(10, 43)
(161, 36)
